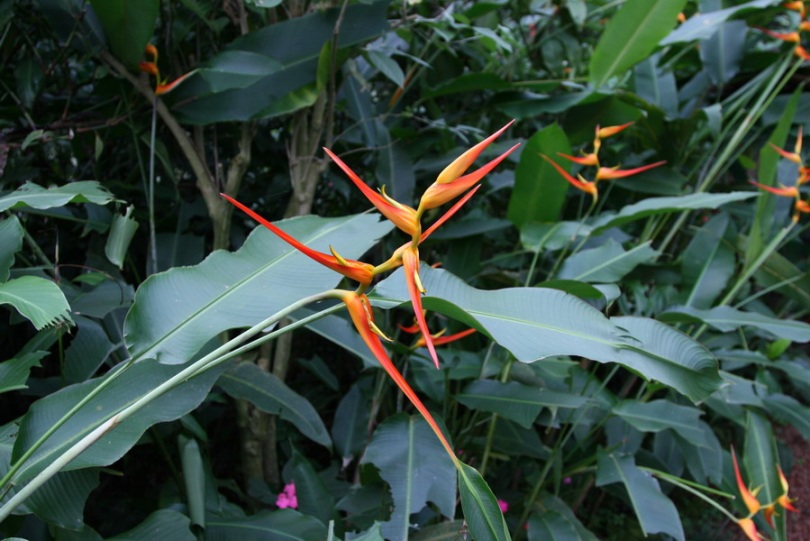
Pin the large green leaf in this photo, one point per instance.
(281, 525)
(655, 512)
(139, 379)
(727, 319)
(515, 401)
(481, 510)
(268, 393)
(533, 323)
(664, 205)
(11, 237)
(631, 35)
(658, 415)
(176, 312)
(790, 279)
(607, 263)
(38, 299)
(350, 424)
(162, 524)
(539, 191)
(707, 263)
(702, 26)
(761, 457)
(14, 372)
(560, 513)
(127, 25)
(231, 87)
(415, 465)
(551, 526)
(35, 196)
(60, 501)
(311, 492)
(657, 351)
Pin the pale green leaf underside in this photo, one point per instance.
(39, 300)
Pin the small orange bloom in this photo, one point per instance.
(610, 131)
(586, 160)
(790, 37)
(784, 500)
(580, 184)
(151, 67)
(439, 339)
(784, 191)
(610, 173)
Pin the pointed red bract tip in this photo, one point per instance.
(410, 263)
(585, 186)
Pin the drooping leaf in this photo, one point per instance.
(122, 230)
(515, 401)
(655, 512)
(630, 36)
(670, 357)
(607, 263)
(727, 319)
(722, 53)
(539, 191)
(788, 410)
(193, 478)
(268, 393)
(293, 47)
(658, 415)
(35, 196)
(551, 526)
(281, 525)
(11, 237)
(139, 379)
(88, 349)
(162, 524)
(665, 205)
(703, 25)
(761, 457)
(349, 426)
(791, 280)
(533, 323)
(14, 372)
(127, 26)
(39, 300)
(557, 506)
(415, 465)
(176, 312)
(481, 511)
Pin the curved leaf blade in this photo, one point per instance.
(176, 312)
(39, 300)
(268, 393)
(282, 525)
(484, 518)
(35, 196)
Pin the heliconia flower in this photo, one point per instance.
(450, 184)
(784, 500)
(802, 206)
(794, 156)
(797, 5)
(440, 339)
(410, 263)
(681, 17)
(790, 37)
(362, 317)
(784, 191)
(581, 184)
(610, 173)
(287, 498)
(609, 131)
(356, 270)
(801, 52)
(151, 67)
(587, 160)
(804, 26)
(750, 500)
(402, 216)
(750, 529)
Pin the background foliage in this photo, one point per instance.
(623, 344)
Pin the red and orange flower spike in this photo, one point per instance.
(361, 315)
(580, 184)
(402, 216)
(440, 339)
(749, 499)
(749, 528)
(356, 270)
(450, 183)
(151, 67)
(610, 173)
(784, 500)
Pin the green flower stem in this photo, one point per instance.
(693, 489)
(216, 357)
(493, 421)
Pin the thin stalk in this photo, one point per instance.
(152, 268)
(216, 357)
(690, 487)
(493, 421)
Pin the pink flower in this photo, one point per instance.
(503, 505)
(567, 481)
(287, 498)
